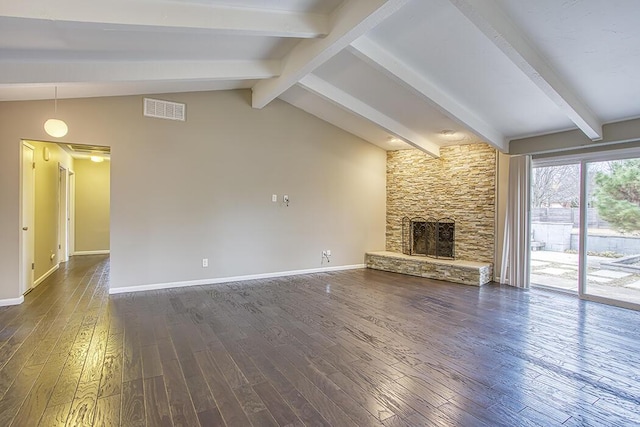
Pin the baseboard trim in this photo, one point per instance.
(168, 285)
(100, 252)
(45, 275)
(11, 301)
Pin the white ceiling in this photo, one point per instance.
(386, 70)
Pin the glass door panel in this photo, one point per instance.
(613, 230)
(555, 225)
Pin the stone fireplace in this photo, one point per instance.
(461, 184)
(429, 237)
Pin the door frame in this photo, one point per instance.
(63, 213)
(584, 230)
(27, 283)
(71, 242)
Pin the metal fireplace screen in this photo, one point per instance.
(429, 237)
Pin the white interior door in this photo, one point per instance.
(28, 216)
(63, 215)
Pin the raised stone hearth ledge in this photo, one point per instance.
(457, 271)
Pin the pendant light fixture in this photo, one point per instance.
(56, 127)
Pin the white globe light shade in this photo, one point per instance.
(56, 128)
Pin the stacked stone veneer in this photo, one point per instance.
(460, 184)
(457, 271)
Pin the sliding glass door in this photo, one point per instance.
(555, 223)
(585, 226)
(613, 229)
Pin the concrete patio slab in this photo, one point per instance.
(552, 271)
(598, 279)
(611, 274)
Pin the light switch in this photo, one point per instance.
(274, 198)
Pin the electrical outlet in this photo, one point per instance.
(328, 252)
(205, 262)
(324, 253)
(285, 198)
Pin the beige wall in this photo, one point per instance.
(183, 191)
(46, 204)
(614, 135)
(92, 200)
(461, 184)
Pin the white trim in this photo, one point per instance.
(45, 275)
(100, 252)
(72, 213)
(594, 156)
(11, 301)
(156, 286)
(237, 21)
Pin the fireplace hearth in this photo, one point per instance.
(429, 237)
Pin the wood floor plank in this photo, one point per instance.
(298, 403)
(210, 417)
(17, 392)
(151, 365)
(182, 410)
(55, 415)
(156, 402)
(132, 358)
(111, 377)
(227, 403)
(276, 405)
(132, 407)
(107, 411)
(200, 394)
(84, 404)
(65, 389)
(36, 401)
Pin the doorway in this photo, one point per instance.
(28, 218)
(64, 216)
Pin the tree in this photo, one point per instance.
(555, 184)
(617, 195)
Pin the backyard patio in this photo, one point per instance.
(560, 270)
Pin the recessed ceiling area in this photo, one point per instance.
(396, 73)
(81, 151)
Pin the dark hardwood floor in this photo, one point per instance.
(359, 347)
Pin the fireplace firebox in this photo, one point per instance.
(429, 237)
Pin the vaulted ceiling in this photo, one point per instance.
(398, 73)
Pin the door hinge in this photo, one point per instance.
(59, 246)
(34, 165)
(33, 265)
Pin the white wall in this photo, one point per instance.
(183, 191)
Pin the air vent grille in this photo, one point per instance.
(164, 109)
